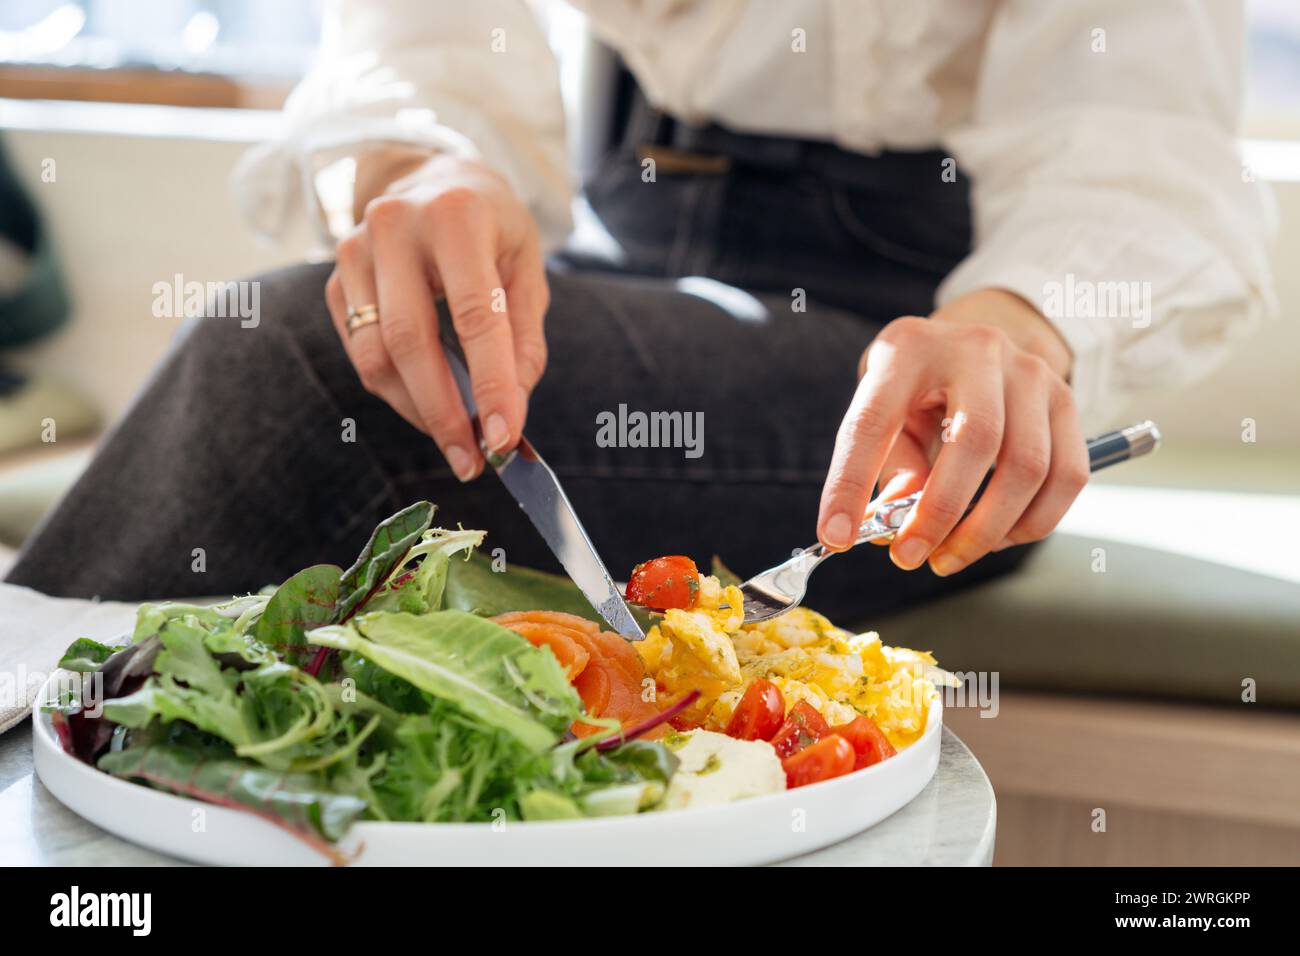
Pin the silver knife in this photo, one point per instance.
(538, 492)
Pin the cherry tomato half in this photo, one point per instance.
(802, 726)
(829, 757)
(663, 583)
(868, 741)
(759, 714)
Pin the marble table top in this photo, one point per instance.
(951, 823)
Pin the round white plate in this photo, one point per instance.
(758, 830)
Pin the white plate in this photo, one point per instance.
(758, 830)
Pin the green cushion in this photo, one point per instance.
(24, 412)
(1153, 625)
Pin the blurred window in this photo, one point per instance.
(249, 52)
(181, 52)
(1273, 74)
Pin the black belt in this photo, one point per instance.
(680, 147)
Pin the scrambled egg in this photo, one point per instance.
(840, 674)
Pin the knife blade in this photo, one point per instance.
(541, 497)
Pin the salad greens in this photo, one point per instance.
(379, 692)
(488, 671)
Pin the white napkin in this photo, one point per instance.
(36, 629)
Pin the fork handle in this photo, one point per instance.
(1103, 451)
(1114, 447)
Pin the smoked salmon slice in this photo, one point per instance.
(548, 617)
(603, 667)
(593, 686)
(568, 650)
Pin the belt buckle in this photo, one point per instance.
(670, 160)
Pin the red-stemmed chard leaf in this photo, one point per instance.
(307, 600)
(388, 545)
(293, 801)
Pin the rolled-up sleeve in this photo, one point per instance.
(476, 79)
(1109, 191)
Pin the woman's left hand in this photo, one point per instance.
(940, 401)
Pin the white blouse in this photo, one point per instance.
(1100, 136)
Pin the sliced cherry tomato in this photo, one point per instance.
(869, 742)
(670, 582)
(829, 757)
(759, 714)
(802, 726)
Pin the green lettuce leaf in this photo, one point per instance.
(83, 654)
(549, 805)
(152, 618)
(238, 649)
(473, 586)
(634, 760)
(385, 550)
(592, 783)
(307, 600)
(622, 799)
(483, 668)
(395, 693)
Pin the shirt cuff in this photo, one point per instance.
(271, 180)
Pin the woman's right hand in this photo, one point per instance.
(450, 227)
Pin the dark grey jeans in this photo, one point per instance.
(238, 446)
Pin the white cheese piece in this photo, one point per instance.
(717, 769)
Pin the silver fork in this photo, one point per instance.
(781, 588)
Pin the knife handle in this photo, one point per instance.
(460, 375)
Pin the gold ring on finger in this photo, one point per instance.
(361, 317)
